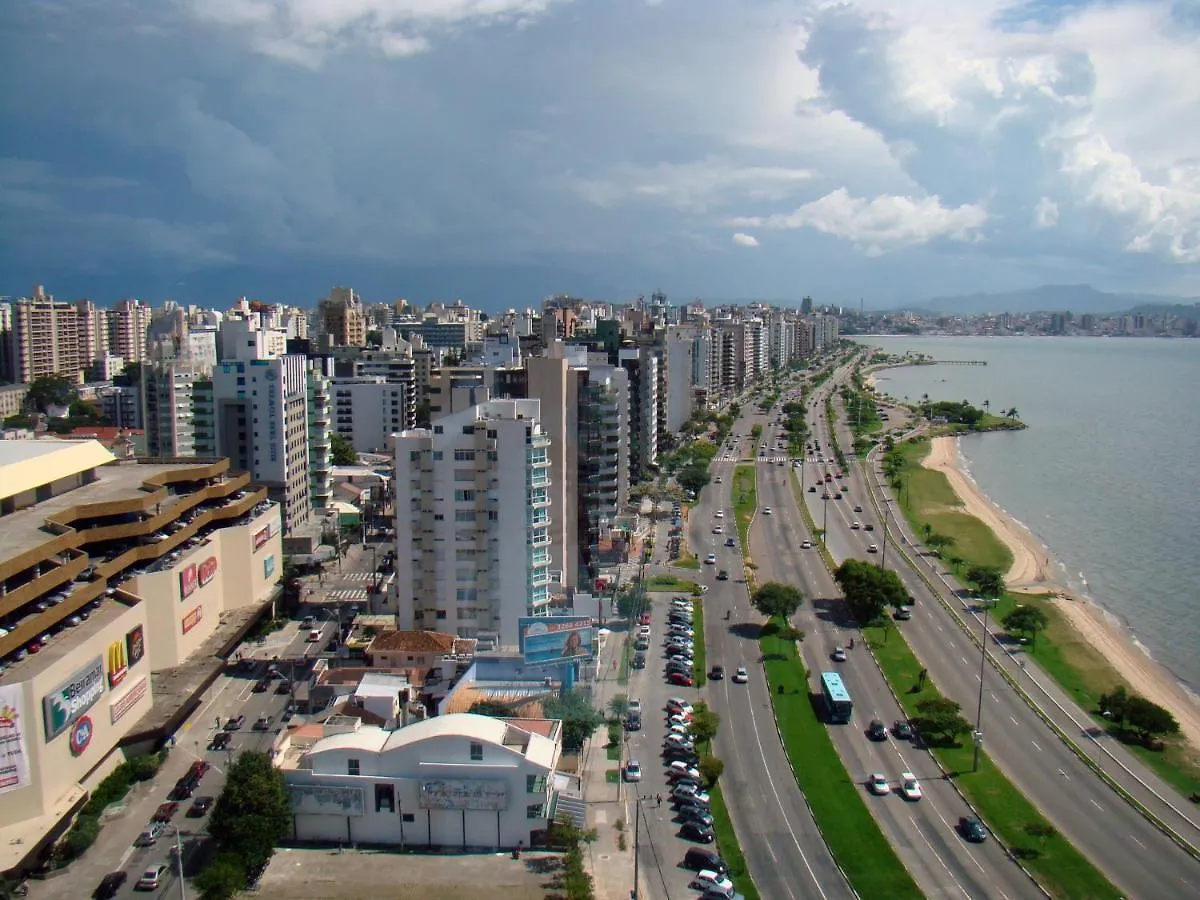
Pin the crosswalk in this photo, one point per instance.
(347, 594)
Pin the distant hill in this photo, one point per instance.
(1077, 298)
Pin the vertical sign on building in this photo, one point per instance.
(14, 763)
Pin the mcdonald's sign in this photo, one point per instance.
(117, 657)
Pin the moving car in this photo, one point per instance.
(716, 673)
(110, 884)
(741, 676)
(199, 807)
(711, 559)
(902, 730)
(909, 786)
(723, 575)
(633, 771)
(972, 829)
(152, 878)
(262, 723)
(855, 525)
(766, 510)
(839, 654)
(730, 542)
(220, 740)
(806, 545)
(873, 548)
(878, 785)
(717, 529)
(234, 723)
(877, 731)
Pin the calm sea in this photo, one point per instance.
(1108, 474)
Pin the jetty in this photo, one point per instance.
(954, 362)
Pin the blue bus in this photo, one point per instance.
(837, 699)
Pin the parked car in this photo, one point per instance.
(220, 740)
(632, 771)
(698, 860)
(110, 884)
(200, 806)
(152, 878)
(234, 723)
(263, 723)
(678, 679)
(165, 812)
(694, 831)
(149, 835)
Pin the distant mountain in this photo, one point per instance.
(1077, 298)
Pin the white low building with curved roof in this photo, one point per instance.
(459, 781)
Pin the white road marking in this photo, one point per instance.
(1095, 804)
(1136, 841)
(938, 857)
(1014, 721)
(1036, 747)
(964, 661)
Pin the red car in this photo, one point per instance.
(679, 679)
(199, 767)
(165, 811)
(645, 620)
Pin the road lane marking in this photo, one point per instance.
(1014, 721)
(1095, 804)
(964, 661)
(1037, 748)
(1136, 841)
(938, 857)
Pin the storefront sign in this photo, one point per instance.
(135, 644)
(118, 708)
(81, 735)
(62, 707)
(14, 764)
(208, 570)
(269, 566)
(118, 662)
(192, 619)
(187, 582)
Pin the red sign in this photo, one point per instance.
(187, 582)
(261, 537)
(192, 619)
(135, 644)
(117, 710)
(208, 570)
(81, 734)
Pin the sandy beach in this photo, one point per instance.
(1030, 573)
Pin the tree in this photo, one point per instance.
(711, 769)
(222, 877)
(777, 600)
(869, 590)
(619, 706)
(578, 716)
(342, 451)
(1149, 719)
(704, 724)
(1028, 620)
(940, 720)
(988, 582)
(494, 708)
(49, 390)
(253, 813)
(693, 478)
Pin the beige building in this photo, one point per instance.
(109, 570)
(343, 318)
(128, 325)
(50, 337)
(417, 649)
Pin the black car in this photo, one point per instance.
(902, 730)
(972, 829)
(220, 740)
(284, 687)
(263, 684)
(722, 575)
(698, 860)
(696, 815)
(716, 673)
(184, 788)
(110, 884)
(694, 831)
(877, 731)
(199, 807)
(633, 722)
(639, 660)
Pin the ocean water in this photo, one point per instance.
(1108, 474)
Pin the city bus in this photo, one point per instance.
(837, 699)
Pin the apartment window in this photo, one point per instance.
(437, 455)
(464, 515)
(441, 614)
(414, 456)
(492, 434)
(533, 811)
(476, 751)
(352, 767)
(464, 455)
(385, 796)
(408, 817)
(437, 429)
(535, 784)
(464, 474)
(468, 429)
(464, 496)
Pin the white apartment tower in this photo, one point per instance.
(473, 517)
(128, 326)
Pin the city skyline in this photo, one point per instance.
(197, 151)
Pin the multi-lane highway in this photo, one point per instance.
(1136, 856)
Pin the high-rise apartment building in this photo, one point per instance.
(128, 325)
(47, 337)
(176, 398)
(367, 411)
(261, 418)
(555, 385)
(602, 458)
(343, 319)
(473, 518)
(320, 447)
(642, 365)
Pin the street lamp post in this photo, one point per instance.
(179, 860)
(637, 833)
(825, 520)
(978, 735)
(886, 510)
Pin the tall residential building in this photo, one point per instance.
(602, 458)
(642, 364)
(367, 411)
(343, 319)
(679, 372)
(555, 385)
(176, 399)
(261, 417)
(473, 519)
(128, 325)
(320, 447)
(50, 337)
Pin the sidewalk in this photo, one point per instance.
(611, 867)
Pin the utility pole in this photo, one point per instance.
(977, 737)
(637, 833)
(179, 858)
(886, 509)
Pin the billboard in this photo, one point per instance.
(261, 537)
(14, 763)
(118, 708)
(188, 581)
(554, 639)
(63, 706)
(269, 566)
(192, 619)
(464, 793)
(117, 656)
(207, 571)
(135, 645)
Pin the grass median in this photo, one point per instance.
(849, 829)
(700, 663)
(1061, 869)
(728, 846)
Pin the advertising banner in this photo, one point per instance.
(117, 657)
(188, 581)
(14, 763)
(464, 793)
(192, 619)
(546, 640)
(261, 537)
(119, 707)
(135, 644)
(207, 571)
(269, 566)
(65, 705)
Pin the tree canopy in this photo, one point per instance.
(494, 708)
(1134, 713)
(1026, 620)
(578, 716)
(705, 723)
(940, 721)
(869, 589)
(342, 452)
(693, 477)
(988, 582)
(253, 813)
(777, 600)
(49, 390)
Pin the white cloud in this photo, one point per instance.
(881, 224)
(745, 240)
(304, 31)
(1045, 214)
(694, 187)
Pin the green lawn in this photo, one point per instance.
(1058, 866)
(728, 846)
(686, 561)
(745, 501)
(700, 663)
(851, 832)
(671, 583)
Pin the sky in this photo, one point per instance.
(504, 150)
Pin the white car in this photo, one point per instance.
(635, 706)
(633, 770)
(741, 676)
(711, 559)
(806, 545)
(878, 785)
(683, 768)
(720, 514)
(717, 529)
(766, 510)
(681, 729)
(678, 704)
(839, 654)
(909, 786)
(855, 526)
(873, 548)
(708, 880)
(718, 478)
(644, 631)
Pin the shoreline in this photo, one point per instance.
(1030, 574)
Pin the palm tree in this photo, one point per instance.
(925, 403)
(987, 405)
(1012, 413)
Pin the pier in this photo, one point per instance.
(957, 362)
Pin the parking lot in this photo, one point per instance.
(331, 874)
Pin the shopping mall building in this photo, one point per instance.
(110, 569)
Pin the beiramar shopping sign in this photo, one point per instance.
(66, 704)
